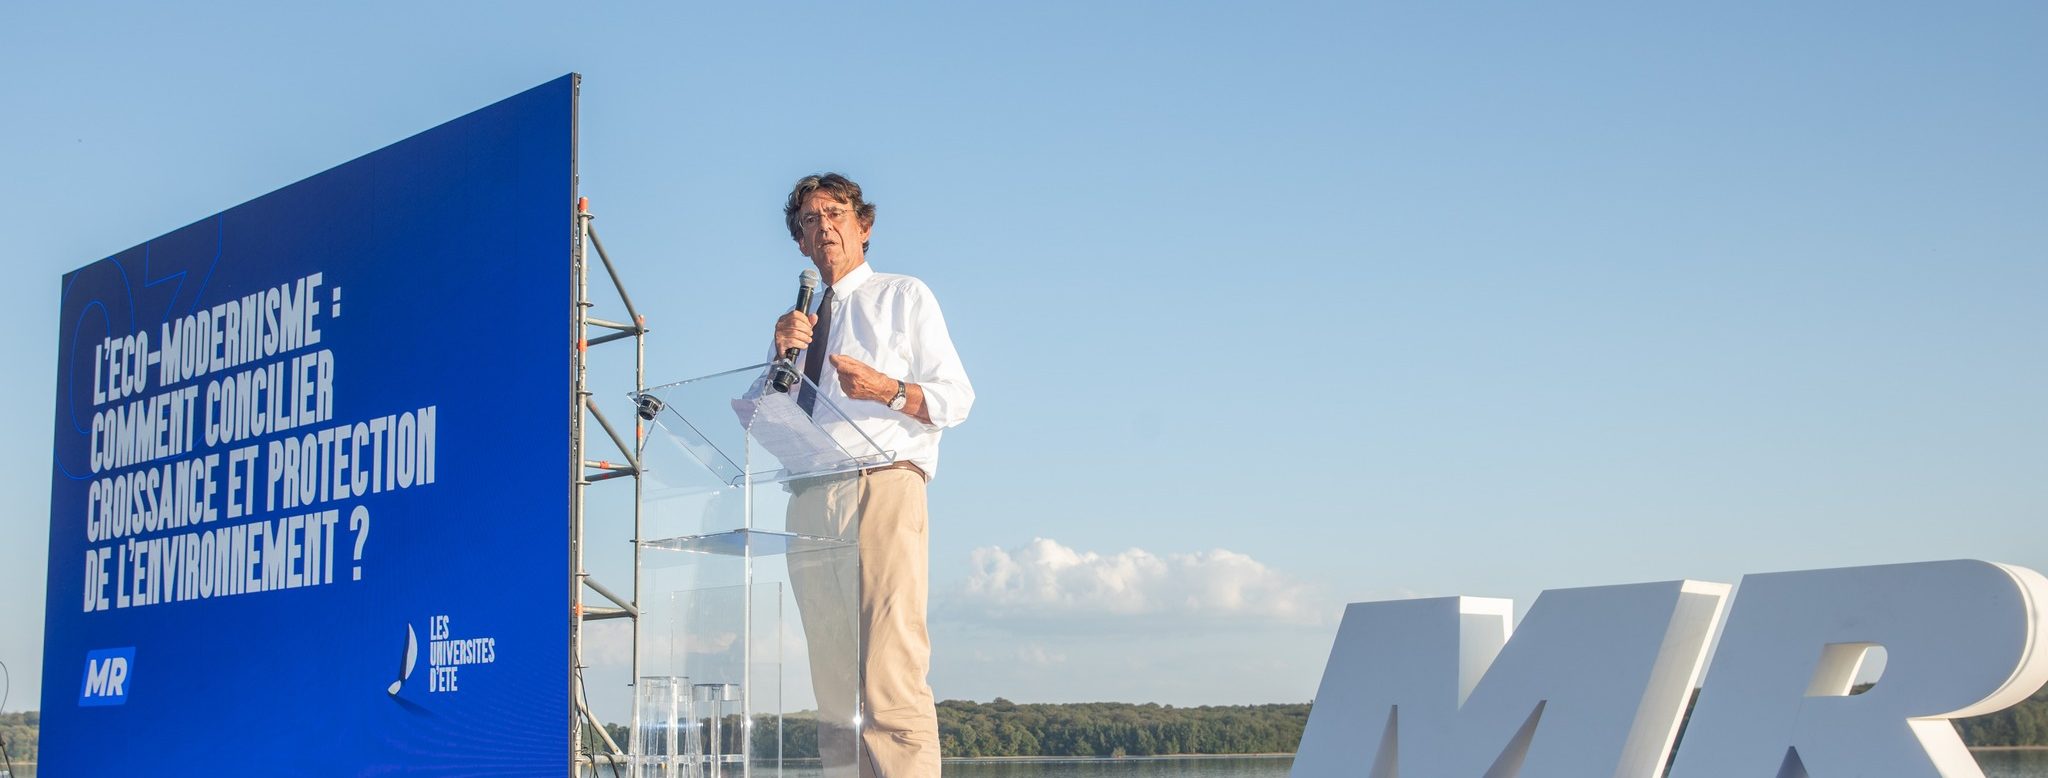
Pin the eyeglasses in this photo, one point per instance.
(810, 219)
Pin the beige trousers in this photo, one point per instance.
(899, 722)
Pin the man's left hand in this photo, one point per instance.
(861, 382)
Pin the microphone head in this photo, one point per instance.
(809, 279)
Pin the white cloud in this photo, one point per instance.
(1044, 579)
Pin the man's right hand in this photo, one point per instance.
(793, 330)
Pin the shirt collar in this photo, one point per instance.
(852, 280)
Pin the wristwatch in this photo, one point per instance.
(902, 396)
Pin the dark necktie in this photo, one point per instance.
(814, 356)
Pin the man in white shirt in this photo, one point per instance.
(893, 371)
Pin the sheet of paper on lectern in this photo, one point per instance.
(782, 427)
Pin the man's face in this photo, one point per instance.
(831, 235)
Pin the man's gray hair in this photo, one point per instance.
(840, 188)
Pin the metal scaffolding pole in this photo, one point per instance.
(586, 471)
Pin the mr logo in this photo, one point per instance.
(106, 677)
(1595, 681)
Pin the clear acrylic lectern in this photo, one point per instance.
(749, 641)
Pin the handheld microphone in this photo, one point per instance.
(785, 368)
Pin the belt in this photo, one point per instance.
(902, 465)
(805, 483)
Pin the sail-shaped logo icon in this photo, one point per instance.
(412, 655)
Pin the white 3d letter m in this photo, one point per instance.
(1593, 685)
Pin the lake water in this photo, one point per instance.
(1997, 764)
(1266, 767)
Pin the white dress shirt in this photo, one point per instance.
(892, 323)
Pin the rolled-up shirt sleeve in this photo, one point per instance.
(935, 365)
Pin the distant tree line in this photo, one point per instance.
(1114, 729)
(2025, 724)
(1106, 729)
(18, 730)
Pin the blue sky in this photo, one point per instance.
(1268, 309)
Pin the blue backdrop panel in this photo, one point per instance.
(280, 553)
